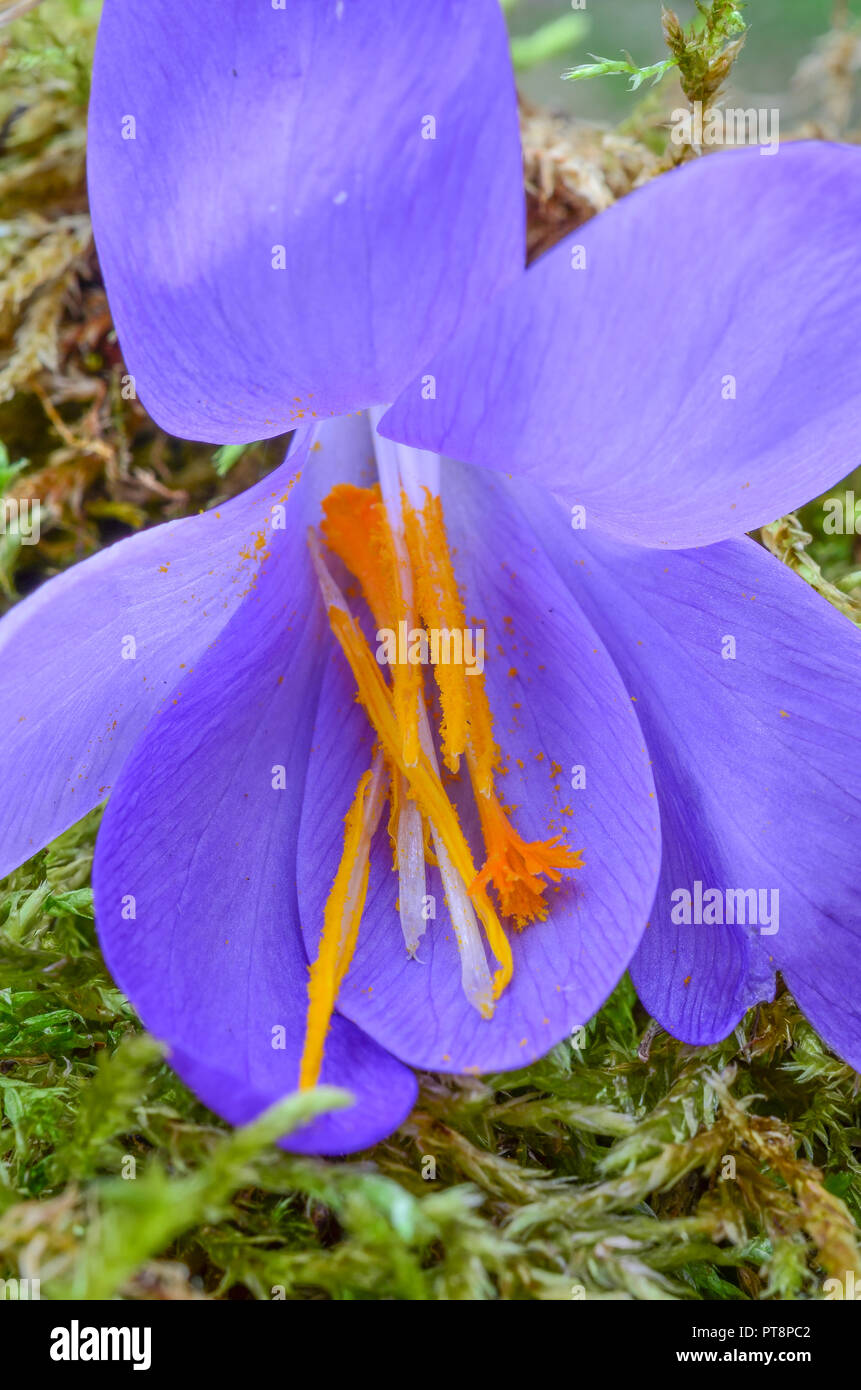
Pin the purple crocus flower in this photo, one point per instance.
(299, 214)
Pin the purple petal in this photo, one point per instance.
(303, 129)
(199, 839)
(758, 769)
(91, 655)
(611, 385)
(574, 711)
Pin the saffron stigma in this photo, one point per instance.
(400, 557)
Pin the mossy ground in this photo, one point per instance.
(624, 1165)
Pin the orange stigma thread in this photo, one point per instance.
(356, 529)
(440, 608)
(514, 866)
(518, 868)
(407, 577)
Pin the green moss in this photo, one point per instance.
(593, 1170)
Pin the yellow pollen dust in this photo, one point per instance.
(356, 527)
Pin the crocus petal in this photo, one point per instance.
(573, 711)
(195, 868)
(377, 145)
(91, 655)
(748, 688)
(698, 376)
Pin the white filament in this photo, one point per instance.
(475, 974)
(411, 869)
(332, 596)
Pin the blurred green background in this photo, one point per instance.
(781, 34)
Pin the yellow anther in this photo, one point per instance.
(341, 920)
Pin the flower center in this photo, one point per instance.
(395, 546)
